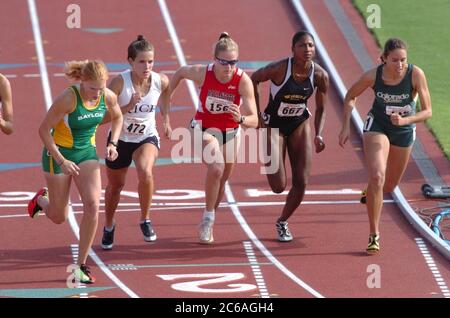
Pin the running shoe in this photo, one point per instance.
(205, 231)
(363, 198)
(284, 235)
(147, 231)
(33, 206)
(83, 275)
(374, 244)
(108, 238)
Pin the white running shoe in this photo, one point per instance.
(205, 231)
(284, 235)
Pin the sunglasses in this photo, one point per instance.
(226, 62)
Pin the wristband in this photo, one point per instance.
(112, 143)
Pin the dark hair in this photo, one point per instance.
(297, 36)
(391, 45)
(225, 43)
(139, 45)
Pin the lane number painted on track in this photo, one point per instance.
(171, 194)
(16, 196)
(198, 286)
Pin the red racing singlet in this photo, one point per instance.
(215, 98)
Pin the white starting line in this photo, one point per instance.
(183, 195)
(255, 193)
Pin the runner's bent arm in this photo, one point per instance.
(319, 118)
(421, 86)
(116, 85)
(165, 105)
(115, 114)
(116, 124)
(6, 115)
(247, 113)
(195, 73)
(268, 72)
(63, 104)
(367, 80)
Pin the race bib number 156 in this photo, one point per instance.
(217, 105)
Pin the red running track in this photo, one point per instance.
(327, 255)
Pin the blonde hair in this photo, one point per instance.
(87, 70)
(225, 43)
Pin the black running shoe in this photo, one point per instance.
(147, 231)
(363, 198)
(108, 238)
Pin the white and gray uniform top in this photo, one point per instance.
(139, 123)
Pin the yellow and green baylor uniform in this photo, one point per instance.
(74, 135)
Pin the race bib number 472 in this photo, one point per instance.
(134, 126)
(291, 110)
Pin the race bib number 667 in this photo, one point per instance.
(291, 110)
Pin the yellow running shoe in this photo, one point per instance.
(374, 244)
(83, 275)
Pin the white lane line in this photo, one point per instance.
(31, 75)
(177, 46)
(256, 270)
(40, 53)
(48, 101)
(255, 193)
(169, 207)
(228, 193)
(126, 267)
(223, 204)
(261, 246)
(432, 266)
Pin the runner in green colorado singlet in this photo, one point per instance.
(392, 99)
(390, 128)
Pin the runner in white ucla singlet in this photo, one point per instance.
(139, 122)
(139, 90)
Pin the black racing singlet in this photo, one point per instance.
(287, 107)
(390, 99)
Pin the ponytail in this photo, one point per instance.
(225, 43)
(87, 70)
